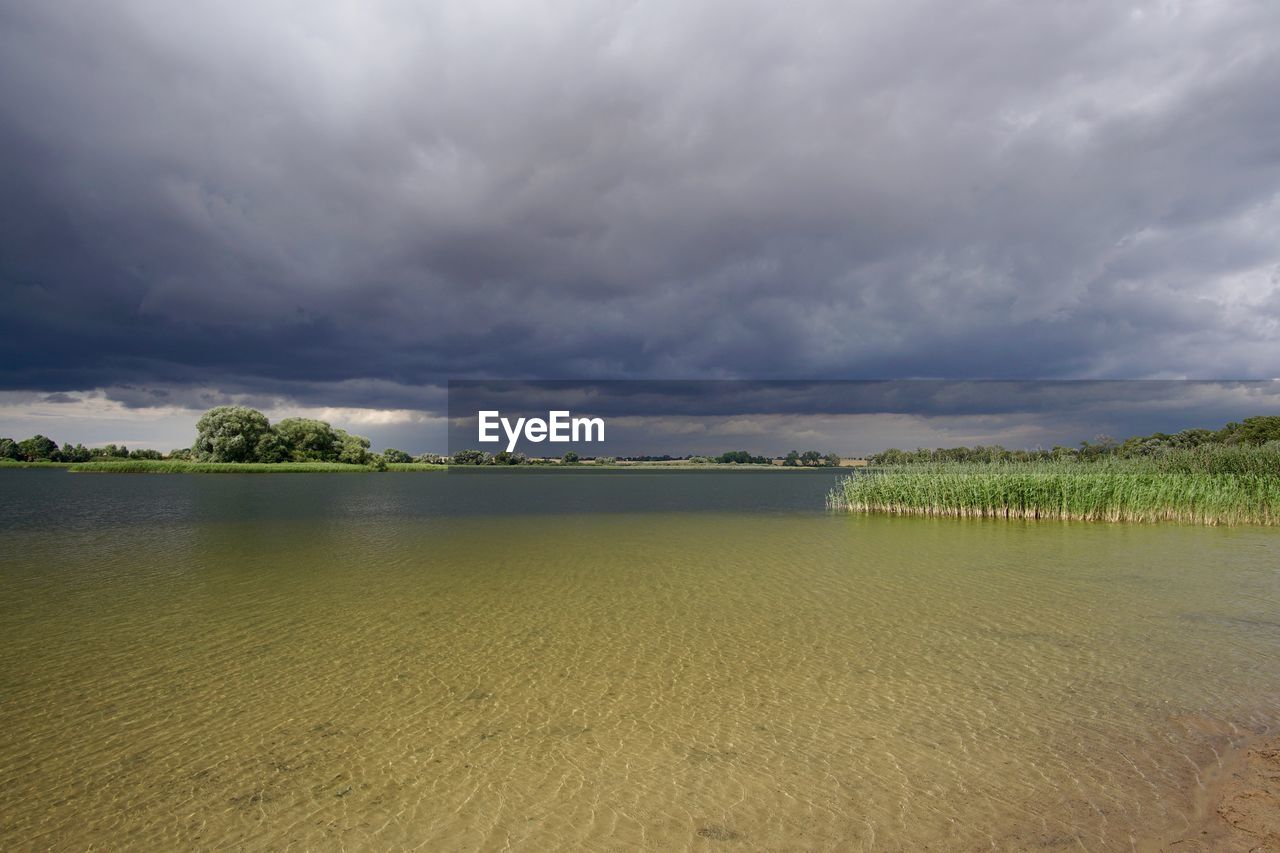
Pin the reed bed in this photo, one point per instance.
(1217, 486)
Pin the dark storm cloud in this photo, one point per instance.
(926, 398)
(341, 202)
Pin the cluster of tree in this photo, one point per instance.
(741, 457)
(977, 453)
(808, 459)
(811, 459)
(399, 457)
(1253, 431)
(40, 448)
(504, 457)
(242, 434)
(229, 434)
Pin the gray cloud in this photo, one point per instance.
(673, 417)
(860, 417)
(346, 200)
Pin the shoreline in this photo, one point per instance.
(162, 466)
(1237, 806)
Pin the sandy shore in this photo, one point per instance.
(1239, 809)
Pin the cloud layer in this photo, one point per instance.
(346, 203)
(855, 417)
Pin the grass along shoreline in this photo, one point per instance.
(179, 466)
(1221, 485)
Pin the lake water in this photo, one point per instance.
(607, 661)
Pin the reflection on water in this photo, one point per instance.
(415, 661)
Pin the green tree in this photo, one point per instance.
(1193, 438)
(38, 448)
(792, 460)
(145, 454)
(230, 434)
(307, 440)
(396, 457)
(470, 457)
(9, 449)
(1101, 446)
(570, 458)
(810, 458)
(832, 460)
(740, 457)
(1257, 430)
(271, 448)
(354, 449)
(78, 453)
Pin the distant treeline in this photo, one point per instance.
(239, 434)
(39, 448)
(479, 457)
(1251, 432)
(810, 458)
(807, 459)
(229, 434)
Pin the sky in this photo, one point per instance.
(849, 417)
(331, 209)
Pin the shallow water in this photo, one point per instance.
(606, 661)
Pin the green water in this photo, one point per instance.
(606, 661)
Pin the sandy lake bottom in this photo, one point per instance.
(380, 662)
